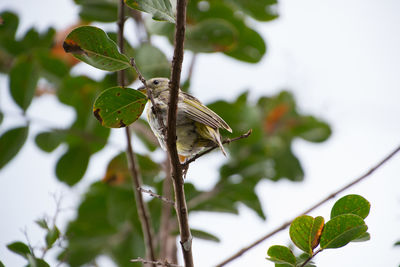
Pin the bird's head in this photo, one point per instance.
(157, 85)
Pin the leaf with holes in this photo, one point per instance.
(159, 9)
(92, 46)
(281, 255)
(305, 232)
(354, 204)
(118, 107)
(341, 230)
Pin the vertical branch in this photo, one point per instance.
(176, 168)
(141, 206)
(165, 221)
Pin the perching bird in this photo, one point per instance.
(197, 126)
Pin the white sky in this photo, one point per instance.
(339, 58)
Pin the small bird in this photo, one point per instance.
(197, 126)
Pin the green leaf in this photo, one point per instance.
(52, 236)
(10, 24)
(211, 35)
(42, 223)
(98, 10)
(23, 80)
(118, 107)
(92, 46)
(342, 229)
(316, 231)
(152, 62)
(36, 262)
(72, 165)
(48, 141)
(1, 264)
(281, 255)
(51, 67)
(354, 204)
(397, 243)
(159, 9)
(362, 238)
(19, 248)
(262, 10)
(1, 117)
(305, 232)
(10, 144)
(204, 235)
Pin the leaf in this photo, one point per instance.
(204, 235)
(262, 10)
(354, 204)
(98, 10)
(300, 231)
(48, 141)
(10, 144)
(36, 262)
(397, 243)
(51, 67)
(1, 117)
(211, 35)
(52, 236)
(92, 46)
(23, 80)
(71, 167)
(19, 248)
(42, 223)
(342, 229)
(316, 231)
(281, 255)
(1, 264)
(362, 238)
(152, 62)
(159, 9)
(118, 107)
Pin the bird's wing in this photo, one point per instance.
(200, 113)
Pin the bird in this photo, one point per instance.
(197, 126)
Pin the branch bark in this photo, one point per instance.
(329, 197)
(176, 168)
(142, 209)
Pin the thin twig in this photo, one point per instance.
(155, 108)
(332, 195)
(310, 258)
(151, 193)
(165, 263)
(176, 168)
(142, 209)
(226, 141)
(191, 67)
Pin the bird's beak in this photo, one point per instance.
(142, 89)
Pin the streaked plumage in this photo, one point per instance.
(197, 125)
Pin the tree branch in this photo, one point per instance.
(332, 195)
(176, 168)
(310, 258)
(142, 209)
(165, 263)
(151, 193)
(226, 141)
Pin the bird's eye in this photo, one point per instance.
(156, 82)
